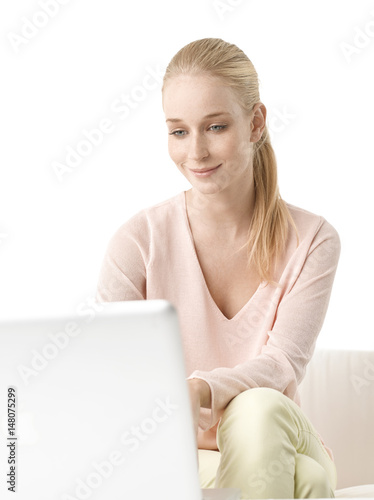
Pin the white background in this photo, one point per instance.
(315, 63)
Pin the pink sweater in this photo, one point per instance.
(268, 343)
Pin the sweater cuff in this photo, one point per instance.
(208, 416)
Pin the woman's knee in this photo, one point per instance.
(251, 416)
(259, 402)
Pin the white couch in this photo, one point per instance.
(337, 394)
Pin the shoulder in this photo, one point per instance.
(164, 210)
(150, 222)
(156, 214)
(314, 230)
(310, 224)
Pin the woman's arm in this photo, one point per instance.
(123, 271)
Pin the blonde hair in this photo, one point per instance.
(271, 218)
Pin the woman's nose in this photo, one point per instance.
(198, 148)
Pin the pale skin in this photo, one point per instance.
(219, 205)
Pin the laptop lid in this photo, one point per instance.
(95, 406)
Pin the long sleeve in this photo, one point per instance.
(282, 362)
(123, 271)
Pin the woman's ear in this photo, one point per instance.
(258, 122)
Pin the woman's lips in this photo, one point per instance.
(206, 173)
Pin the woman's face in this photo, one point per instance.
(208, 130)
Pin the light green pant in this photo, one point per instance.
(268, 449)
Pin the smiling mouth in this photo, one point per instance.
(205, 170)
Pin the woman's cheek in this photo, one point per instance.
(171, 149)
(176, 152)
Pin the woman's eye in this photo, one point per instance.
(217, 128)
(178, 133)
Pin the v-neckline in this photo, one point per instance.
(187, 222)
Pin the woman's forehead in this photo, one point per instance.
(187, 94)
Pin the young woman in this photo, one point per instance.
(249, 275)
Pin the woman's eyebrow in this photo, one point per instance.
(211, 115)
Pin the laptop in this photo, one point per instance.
(95, 405)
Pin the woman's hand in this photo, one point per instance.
(200, 397)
